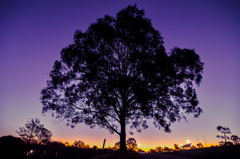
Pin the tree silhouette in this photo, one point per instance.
(158, 149)
(235, 138)
(224, 130)
(166, 149)
(132, 144)
(34, 132)
(199, 145)
(86, 146)
(118, 73)
(79, 144)
(95, 147)
(116, 146)
(67, 144)
(176, 147)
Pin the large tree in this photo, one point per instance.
(117, 72)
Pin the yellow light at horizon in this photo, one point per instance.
(188, 141)
(138, 144)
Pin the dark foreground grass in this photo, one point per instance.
(223, 152)
(117, 155)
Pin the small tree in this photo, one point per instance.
(199, 145)
(235, 138)
(193, 147)
(176, 147)
(224, 130)
(67, 144)
(151, 150)
(221, 143)
(131, 144)
(95, 147)
(79, 144)
(158, 149)
(34, 132)
(166, 149)
(116, 146)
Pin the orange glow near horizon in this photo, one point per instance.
(145, 147)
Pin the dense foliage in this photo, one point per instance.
(132, 144)
(118, 73)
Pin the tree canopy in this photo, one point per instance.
(132, 144)
(226, 130)
(79, 144)
(117, 72)
(34, 132)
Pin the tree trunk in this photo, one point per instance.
(123, 147)
(225, 138)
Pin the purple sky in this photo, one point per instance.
(32, 34)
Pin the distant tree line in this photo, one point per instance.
(14, 147)
(35, 142)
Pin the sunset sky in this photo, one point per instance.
(32, 34)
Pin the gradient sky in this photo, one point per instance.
(32, 34)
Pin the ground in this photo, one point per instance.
(223, 152)
(162, 156)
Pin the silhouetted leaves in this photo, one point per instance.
(176, 146)
(117, 72)
(116, 146)
(34, 132)
(79, 144)
(226, 130)
(235, 138)
(132, 144)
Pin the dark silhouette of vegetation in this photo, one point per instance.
(158, 149)
(95, 147)
(151, 150)
(176, 147)
(34, 132)
(221, 143)
(224, 130)
(199, 145)
(116, 146)
(187, 146)
(218, 152)
(166, 149)
(79, 144)
(118, 73)
(12, 147)
(235, 138)
(131, 144)
(67, 144)
(193, 147)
